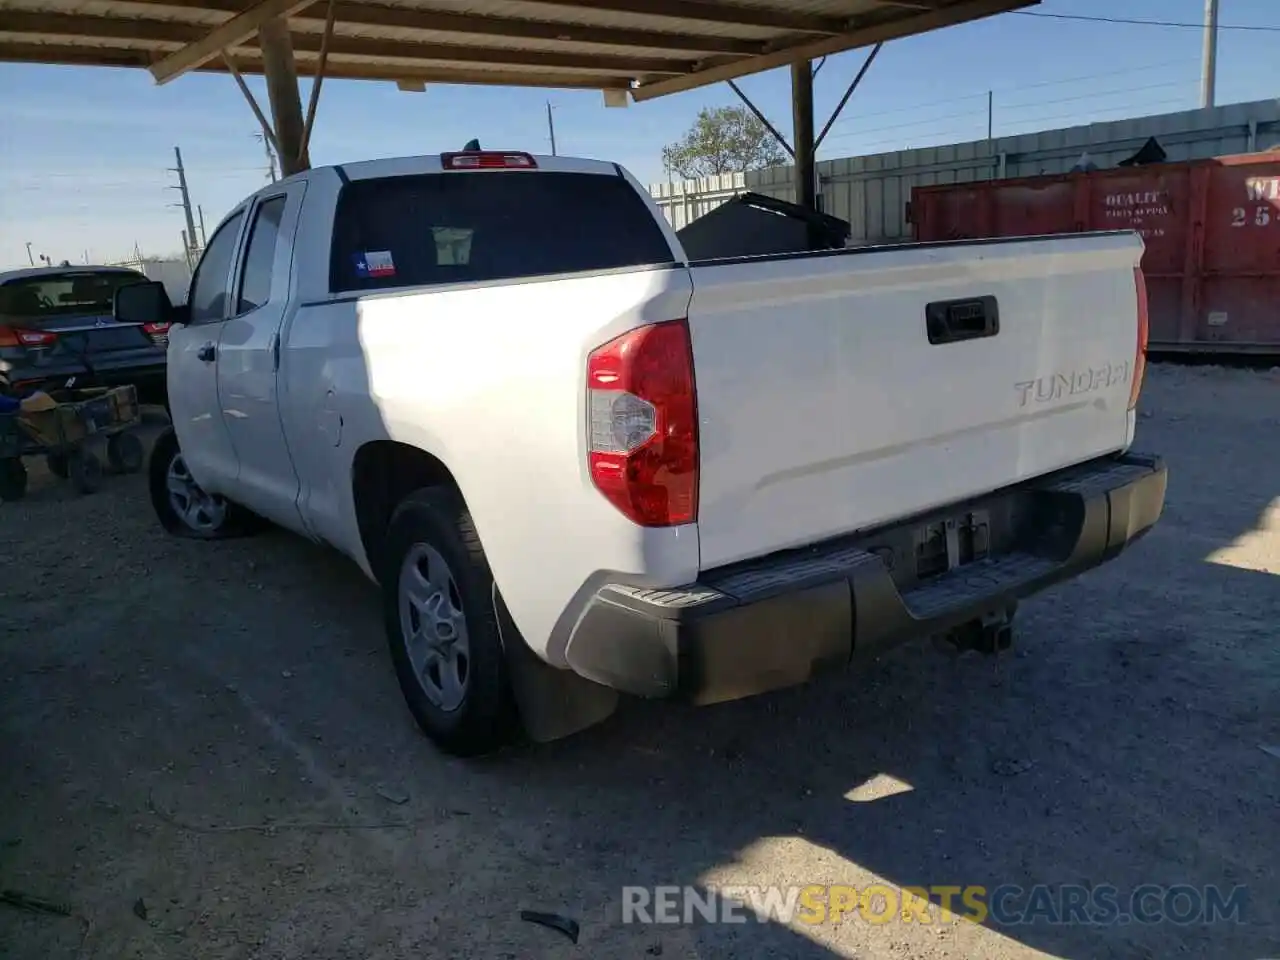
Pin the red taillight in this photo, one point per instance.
(158, 332)
(1140, 356)
(18, 337)
(642, 423)
(488, 160)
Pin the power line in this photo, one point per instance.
(1093, 76)
(1018, 86)
(972, 112)
(944, 135)
(1144, 23)
(1171, 102)
(1001, 107)
(145, 174)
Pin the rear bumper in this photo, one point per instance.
(777, 621)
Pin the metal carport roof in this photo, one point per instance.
(647, 47)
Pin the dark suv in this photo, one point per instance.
(56, 325)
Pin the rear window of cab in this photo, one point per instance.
(475, 226)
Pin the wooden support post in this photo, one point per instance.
(802, 136)
(281, 74)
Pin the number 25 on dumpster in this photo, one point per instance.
(1260, 216)
(1264, 192)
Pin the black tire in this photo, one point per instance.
(84, 470)
(125, 453)
(486, 719)
(57, 464)
(13, 480)
(234, 520)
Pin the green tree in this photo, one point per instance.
(722, 140)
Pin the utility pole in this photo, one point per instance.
(991, 112)
(551, 129)
(29, 256)
(271, 157)
(190, 236)
(1209, 62)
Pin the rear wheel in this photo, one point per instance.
(442, 628)
(13, 479)
(57, 464)
(181, 506)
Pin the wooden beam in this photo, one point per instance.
(250, 63)
(879, 32)
(267, 130)
(318, 81)
(73, 26)
(428, 74)
(708, 12)
(230, 34)
(447, 52)
(433, 21)
(71, 55)
(155, 31)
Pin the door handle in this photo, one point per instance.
(206, 353)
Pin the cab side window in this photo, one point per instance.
(255, 278)
(211, 284)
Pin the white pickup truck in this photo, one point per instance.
(578, 464)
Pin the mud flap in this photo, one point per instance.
(553, 703)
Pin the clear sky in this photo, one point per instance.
(84, 152)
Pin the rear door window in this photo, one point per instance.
(260, 257)
(208, 298)
(469, 227)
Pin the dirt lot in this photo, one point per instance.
(161, 701)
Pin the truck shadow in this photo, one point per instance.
(1120, 750)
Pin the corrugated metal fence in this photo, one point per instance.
(871, 192)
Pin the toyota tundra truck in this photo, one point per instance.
(578, 464)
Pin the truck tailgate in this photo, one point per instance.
(829, 402)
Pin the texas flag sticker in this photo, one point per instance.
(375, 263)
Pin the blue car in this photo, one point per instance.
(57, 330)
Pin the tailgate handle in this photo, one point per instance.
(950, 321)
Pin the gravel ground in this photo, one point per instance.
(161, 701)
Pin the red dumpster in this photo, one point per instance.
(1212, 230)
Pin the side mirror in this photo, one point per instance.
(145, 302)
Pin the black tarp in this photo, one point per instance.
(752, 224)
